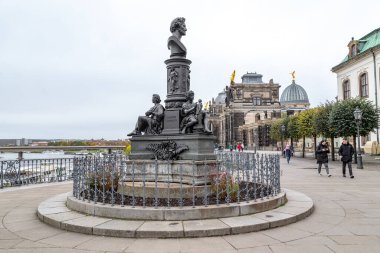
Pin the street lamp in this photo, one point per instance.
(358, 119)
(282, 139)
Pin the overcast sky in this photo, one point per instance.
(87, 69)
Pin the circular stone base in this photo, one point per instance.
(52, 211)
(176, 213)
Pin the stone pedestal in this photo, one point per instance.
(172, 120)
(164, 190)
(201, 146)
(170, 171)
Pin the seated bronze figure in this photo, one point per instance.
(152, 122)
(194, 118)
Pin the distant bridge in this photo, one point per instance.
(22, 149)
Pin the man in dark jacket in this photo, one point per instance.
(346, 151)
(322, 157)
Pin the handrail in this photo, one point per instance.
(39, 148)
(35, 171)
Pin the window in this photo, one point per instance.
(363, 82)
(256, 100)
(238, 93)
(346, 89)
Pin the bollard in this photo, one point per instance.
(2, 176)
(20, 155)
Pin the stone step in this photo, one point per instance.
(175, 213)
(54, 212)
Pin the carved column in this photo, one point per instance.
(178, 83)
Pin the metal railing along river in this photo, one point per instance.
(234, 177)
(34, 171)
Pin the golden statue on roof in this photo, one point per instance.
(293, 75)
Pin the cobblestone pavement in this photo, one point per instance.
(346, 219)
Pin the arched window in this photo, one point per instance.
(346, 89)
(363, 85)
(256, 100)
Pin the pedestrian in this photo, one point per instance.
(346, 151)
(288, 151)
(322, 157)
(242, 147)
(239, 147)
(230, 147)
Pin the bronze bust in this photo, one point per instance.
(178, 29)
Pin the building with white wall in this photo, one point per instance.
(358, 74)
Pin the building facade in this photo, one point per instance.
(243, 112)
(358, 74)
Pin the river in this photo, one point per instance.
(44, 155)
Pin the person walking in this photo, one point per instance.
(346, 151)
(239, 147)
(242, 147)
(230, 147)
(322, 157)
(288, 151)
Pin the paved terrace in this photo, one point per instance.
(346, 219)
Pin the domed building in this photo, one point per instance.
(294, 98)
(221, 98)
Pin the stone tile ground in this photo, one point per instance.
(346, 219)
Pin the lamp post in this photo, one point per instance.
(282, 139)
(358, 119)
(255, 135)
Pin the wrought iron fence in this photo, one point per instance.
(34, 171)
(232, 178)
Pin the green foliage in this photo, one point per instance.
(293, 128)
(285, 122)
(343, 120)
(128, 149)
(69, 143)
(329, 119)
(321, 120)
(306, 121)
(275, 130)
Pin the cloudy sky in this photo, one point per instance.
(87, 69)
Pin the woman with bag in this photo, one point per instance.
(322, 157)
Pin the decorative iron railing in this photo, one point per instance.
(34, 171)
(232, 178)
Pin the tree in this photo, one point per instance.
(285, 122)
(342, 118)
(322, 124)
(306, 126)
(293, 128)
(275, 130)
